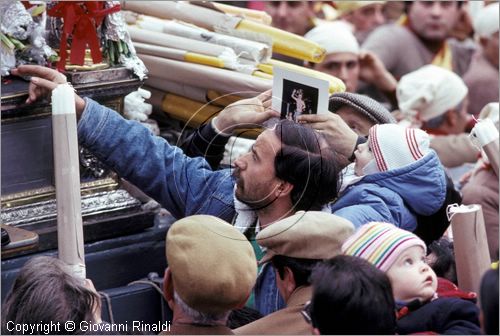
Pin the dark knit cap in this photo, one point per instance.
(368, 107)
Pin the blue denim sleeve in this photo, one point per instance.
(267, 296)
(184, 186)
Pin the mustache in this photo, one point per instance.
(235, 172)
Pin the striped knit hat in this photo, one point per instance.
(380, 243)
(394, 146)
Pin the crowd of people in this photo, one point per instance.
(332, 223)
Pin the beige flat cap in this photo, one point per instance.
(307, 235)
(213, 265)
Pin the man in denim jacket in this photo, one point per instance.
(288, 169)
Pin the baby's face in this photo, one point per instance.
(363, 155)
(411, 278)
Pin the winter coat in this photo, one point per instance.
(395, 196)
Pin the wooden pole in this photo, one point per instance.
(67, 178)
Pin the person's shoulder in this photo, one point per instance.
(463, 52)
(454, 305)
(363, 186)
(479, 71)
(390, 30)
(283, 321)
(374, 191)
(259, 326)
(457, 314)
(483, 180)
(468, 46)
(443, 315)
(430, 160)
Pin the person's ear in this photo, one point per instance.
(316, 331)
(451, 117)
(289, 280)
(168, 287)
(284, 188)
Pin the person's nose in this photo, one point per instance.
(379, 18)
(424, 267)
(241, 163)
(343, 73)
(282, 9)
(436, 9)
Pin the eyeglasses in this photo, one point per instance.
(306, 312)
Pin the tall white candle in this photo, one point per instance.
(67, 178)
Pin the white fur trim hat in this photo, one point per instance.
(429, 92)
(334, 37)
(487, 21)
(394, 146)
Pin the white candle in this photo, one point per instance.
(470, 245)
(67, 178)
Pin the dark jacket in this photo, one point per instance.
(193, 329)
(454, 312)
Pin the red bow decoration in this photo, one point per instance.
(81, 20)
(27, 4)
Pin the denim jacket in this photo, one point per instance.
(267, 296)
(184, 186)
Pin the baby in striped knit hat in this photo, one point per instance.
(402, 256)
(396, 177)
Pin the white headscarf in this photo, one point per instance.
(334, 37)
(345, 7)
(429, 92)
(486, 22)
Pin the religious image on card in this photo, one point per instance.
(295, 94)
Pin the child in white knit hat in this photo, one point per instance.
(422, 308)
(397, 177)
